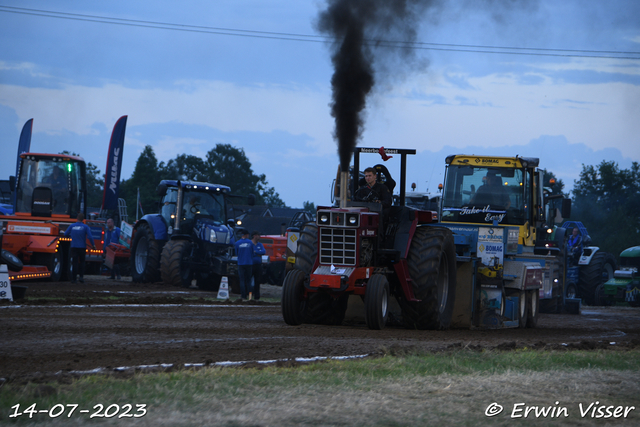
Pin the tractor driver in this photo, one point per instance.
(492, 192)
(374, 191)
(574, 246)
(194, 207)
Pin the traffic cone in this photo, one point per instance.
(223, 291)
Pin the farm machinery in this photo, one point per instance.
(624, 287)
(484, 260)
(50, 192)
(586, 273)
(190, 238)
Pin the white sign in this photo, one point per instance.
(5, 283)
(491, 253)
(490, 234)
(29, 229)
(490, 245)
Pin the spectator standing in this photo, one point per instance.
(79, 233)
(111, 236)
(244, 251)
(258, 251)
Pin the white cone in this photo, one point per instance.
(223, 292)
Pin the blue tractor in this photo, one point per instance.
(190, 238)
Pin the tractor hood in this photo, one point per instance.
(206, 230)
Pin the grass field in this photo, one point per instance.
(453, 388)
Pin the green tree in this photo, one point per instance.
(185, 167)
(228, 165)
(607, 201)
(309, 207)
(145, 177)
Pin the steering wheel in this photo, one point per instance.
(194, 209)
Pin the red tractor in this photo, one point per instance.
(361, 249)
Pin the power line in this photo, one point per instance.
(448, 47)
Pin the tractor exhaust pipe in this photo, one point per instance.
(344, 184)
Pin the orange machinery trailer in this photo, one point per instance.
(50, 192)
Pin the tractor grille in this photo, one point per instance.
(338, 246)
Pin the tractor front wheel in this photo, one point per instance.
(293, 302)
(533, 307)
(523, 309)
(376, 302)
(145, 256)
(175, 269)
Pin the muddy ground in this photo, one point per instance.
(61, 330)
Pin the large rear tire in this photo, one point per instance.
(307, 251)
(376, 302)
(432, 267)
(145, 256)
(174, 268)
(293, 302)
(600, 269)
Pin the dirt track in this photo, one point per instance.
(153, 325)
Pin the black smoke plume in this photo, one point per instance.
(364, 31)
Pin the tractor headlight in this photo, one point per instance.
(213, 237)
(323, 219)
(352, 219)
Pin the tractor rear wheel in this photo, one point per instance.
(376, 302)
(145, 256)
(174, 268)
(307, 248)
(432, 267)
(293, 302)
(599, 270)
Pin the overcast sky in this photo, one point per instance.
(219, 74)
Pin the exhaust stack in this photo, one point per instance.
(344, 184)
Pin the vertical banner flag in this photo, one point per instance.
(24, 145)
(114, 165)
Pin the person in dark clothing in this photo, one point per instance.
(244, 251)
(374, 191)
(79, 233)
(112, 235)
(492, 193)
(574, 246)
(258, 251)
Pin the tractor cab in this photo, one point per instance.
(199, 207)
(50, 185)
